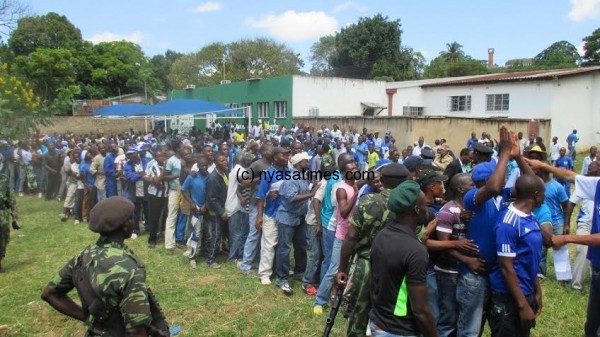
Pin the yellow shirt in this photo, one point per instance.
(373, 159)
(239, 137)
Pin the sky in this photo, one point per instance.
(514, 28)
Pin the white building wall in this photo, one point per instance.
(335, 96)
(527, 100)
(576, 105)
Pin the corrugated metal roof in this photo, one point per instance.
(514, 77)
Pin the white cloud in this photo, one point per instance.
(349, 5)
(582, 10)
(135, 37)
(210, 6)
(296, 26)
(580, 49)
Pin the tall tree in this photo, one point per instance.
(236, 61)
(51, 31)
(592, 49)
(561, 54)
(162, 66)
(368, 49)
(453, 52)
(321, 53)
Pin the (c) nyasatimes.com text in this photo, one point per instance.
(307, 175)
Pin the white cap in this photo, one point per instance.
(298, 157)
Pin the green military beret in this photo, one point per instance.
(404, 196)
(110, 214)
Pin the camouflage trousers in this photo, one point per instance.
(4, 237)
(358, 298)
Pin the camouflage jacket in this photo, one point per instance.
(117, 275)
(368, 220)
(8, 202)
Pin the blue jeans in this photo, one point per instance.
(238, 232)
(182, 222)
(101, 194)
(286, 235)
(314, 247)
(432, 291)
(471, 294)
(327, 282)
(327, 239)
(377, 332)
(448, 306)
(556, 230)
(252, 245)
(592, 324)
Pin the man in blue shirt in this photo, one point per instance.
(110, 170)
(194, 191)
(516, 291)
(572, 139)
(567, 163)
(267, 206)
(585, 188)
(484, 201)
(362, 150)
(294, 194)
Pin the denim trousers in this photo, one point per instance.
(327, 239)
(39, 177)
(473, 298)
(22, 178)
(377, 332)
(238, 232)
(592, 324)
(252, 244)
(556, 230)
(327, 282)
(286, 236)
(432, 291)
(312, 273)
(504, 316)
(101, 194)
(182, 223)
(212, 237)
(447, 304)
(11, 171)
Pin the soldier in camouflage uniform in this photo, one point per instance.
(115, 273)
(8, 207)
(369, 217)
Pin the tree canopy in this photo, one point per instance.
(561, 54)
(591, 49)
(453, 62)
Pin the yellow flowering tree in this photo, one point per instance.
(20, 107)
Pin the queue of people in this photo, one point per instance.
(436, 243)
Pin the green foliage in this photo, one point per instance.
(592, 49)
(236, 61)
(453, 62)
(20, 109)
(368, 49)
(558, 55)
(162, 66)
(52, 31)
(321, 53)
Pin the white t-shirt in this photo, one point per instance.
(554, 151)
(232, 204)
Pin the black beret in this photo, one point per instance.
(482, 148)
(427, 153)
(110, 214)
(395, 170)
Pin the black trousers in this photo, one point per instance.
(157, 216)
(52, 182)
(504, 317)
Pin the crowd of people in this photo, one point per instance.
(437, 241)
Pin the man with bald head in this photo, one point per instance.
(516, 292)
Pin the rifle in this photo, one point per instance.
(339, 294)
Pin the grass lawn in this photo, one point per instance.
(204, 302)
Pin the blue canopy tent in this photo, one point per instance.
(183, 106)
(121, 110)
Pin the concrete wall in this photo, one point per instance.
(336, 96)
(84, 125)
(406, 130)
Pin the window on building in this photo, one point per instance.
(263, 109)
(498, 102)
(280, 109)
(247, 108)
(412, 110)
(232, 106)
(460, 103)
